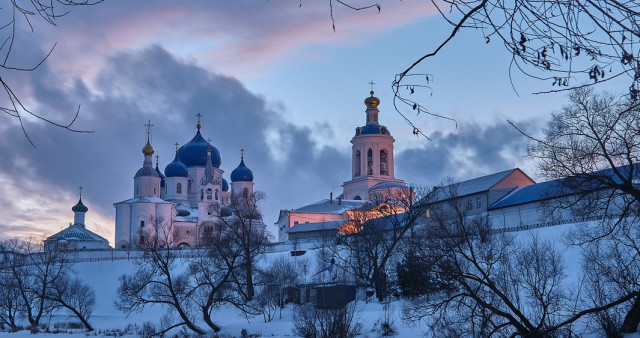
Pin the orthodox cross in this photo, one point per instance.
(176, 144)
(148, 125)
(80, 190)
(242, 154)
(157, 157)
(199, 116)
(371, 83)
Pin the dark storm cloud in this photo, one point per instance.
(153, 85)
(472, 150)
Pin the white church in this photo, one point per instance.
(187, 203)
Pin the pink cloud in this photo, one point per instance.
(236, 34)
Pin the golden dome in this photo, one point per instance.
(372, 101)
(147, 149)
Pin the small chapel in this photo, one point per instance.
(185, 205)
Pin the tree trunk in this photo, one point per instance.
(207, 319)
(632, 319)
(249, 275)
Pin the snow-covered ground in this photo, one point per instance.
(103, 277)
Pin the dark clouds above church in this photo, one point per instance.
(151, 84)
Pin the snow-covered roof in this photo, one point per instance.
(475, 185)
(326, 206)
(562, 187)
(77, 232)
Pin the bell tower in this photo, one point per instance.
(372, 155)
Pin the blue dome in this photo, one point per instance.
(242, 173)
(225, 185)
(370, 129)
(194, 153)
(176, 168)
(162, 177)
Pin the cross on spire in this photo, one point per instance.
(80, 190)
(148, 125)
(199, 116)
(176, 144)
(371, 83)
(209, 140)
(157, 157)
(242, 154)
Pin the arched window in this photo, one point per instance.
(370, 162)
(216, 194)
(189, 186)
(357, 163)
(179, 188)
(209, 194)
(201, 194)
(357, 198)
(245, 192)
(383, 162)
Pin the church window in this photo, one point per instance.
(370, 162)
(383, 162)
(141, 240)
(479, 203)
(356, 163)
(137, 190)
(179, 188)
(154, 191)
(469, 204)
(357, 198)
(201, 194)
(245, 192)
(209, 194)
(216, 196)
(189, 187)
(142, 224)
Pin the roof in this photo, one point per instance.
(77, 233)
(475, 185)
(305, 227)
(532, 193)
(143, 199)
(325, 206)
(561, 187)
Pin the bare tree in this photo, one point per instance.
(244, 229)
(159, 279)
(25, 12)
(34, 271)
(10, 300)
(274, 280)
(594, 143)
(377, 230)
(74, 296)
(311, 322)
(191, 282)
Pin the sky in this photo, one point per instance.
(271, 77)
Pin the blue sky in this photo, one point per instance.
(270, 77)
